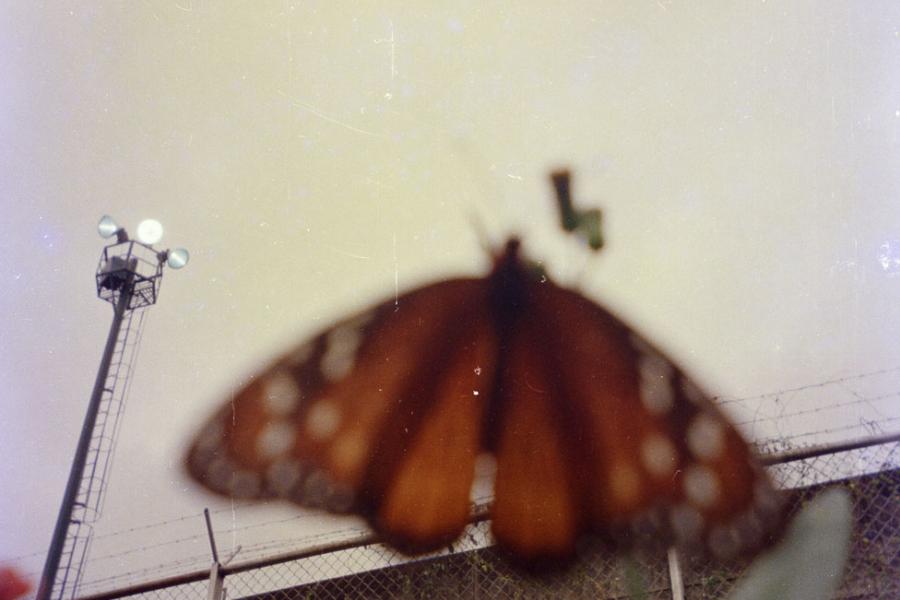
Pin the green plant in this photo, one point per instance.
(809, 563)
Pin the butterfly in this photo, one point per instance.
(592, 428)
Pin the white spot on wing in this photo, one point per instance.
(208, 446)
(706, 437)
(244, 484)
(724, 542)
(686, 522)
(282, 395)
(749, 528)
(283, 475)
(655, 375)
(276, 439)
(316, 489)
(485, 476)
(338, 359)
(340, 498)
(658, 455)
(701, 486)
(301, 354)
(341, 345)
(218, 474)
(323, 420)
(766, 500)
(211, 436)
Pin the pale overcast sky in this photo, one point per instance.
(316, 156)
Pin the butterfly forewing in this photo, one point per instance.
(306, 428)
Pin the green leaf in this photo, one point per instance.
(809, 563)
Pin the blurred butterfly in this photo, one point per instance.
(592, 428)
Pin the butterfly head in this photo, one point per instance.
(509, 264)
(509, 283)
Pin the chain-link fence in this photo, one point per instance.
(472, 568)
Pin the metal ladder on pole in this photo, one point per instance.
(89, 502)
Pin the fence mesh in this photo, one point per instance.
(473, 569)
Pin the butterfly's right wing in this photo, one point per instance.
(663, 459)
(378, 415)
(618, 438)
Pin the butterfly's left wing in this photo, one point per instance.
(379, 415)
(639, 448)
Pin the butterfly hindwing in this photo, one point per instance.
(536, 514)
(424, 470)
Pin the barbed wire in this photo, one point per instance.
(867, 374)
(178, 566)
(192, 516)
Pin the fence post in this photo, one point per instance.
(216, 579)
(216, 582)
(677, 583)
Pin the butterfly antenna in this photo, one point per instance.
(481, 232)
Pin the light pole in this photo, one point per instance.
(128, 276)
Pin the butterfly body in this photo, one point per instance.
(592, 429)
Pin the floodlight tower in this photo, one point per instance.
(128, 276)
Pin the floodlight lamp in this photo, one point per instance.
(177, 258)
(149, 231)
(107, 227)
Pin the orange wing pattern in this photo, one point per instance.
(593, 429)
